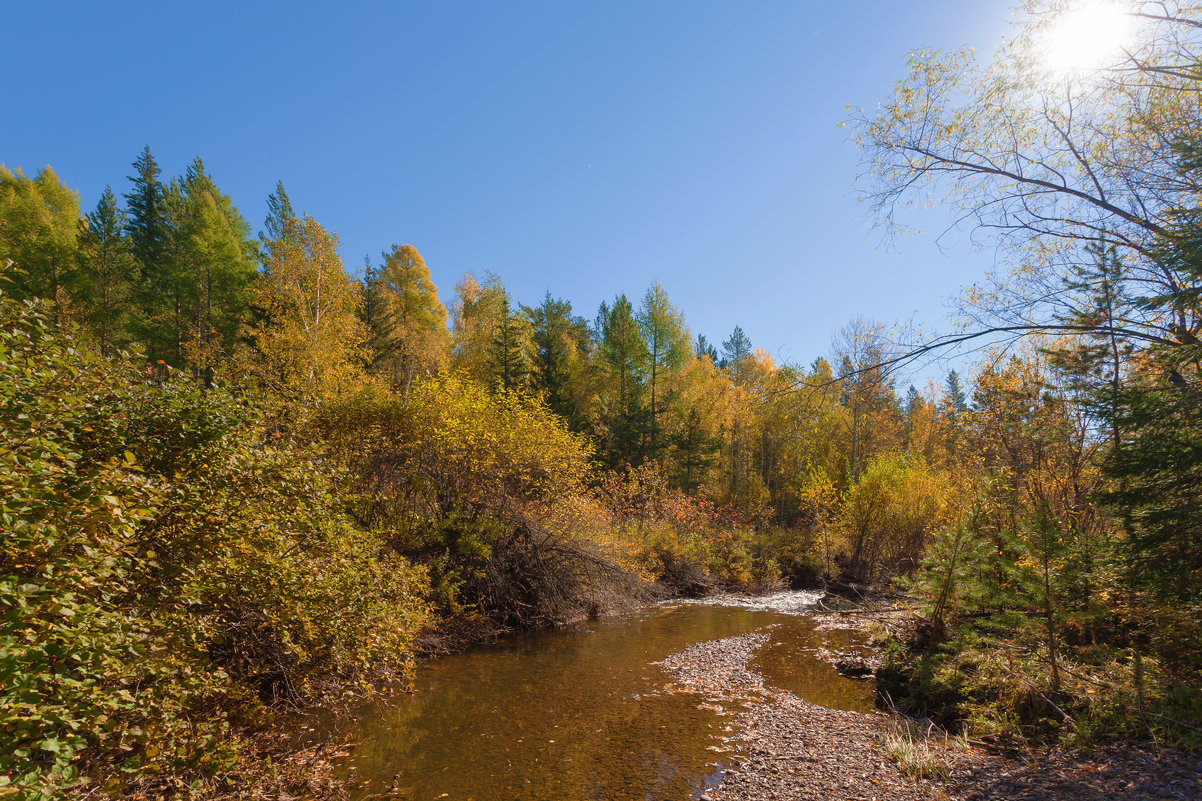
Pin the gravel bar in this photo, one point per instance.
(785, 748)
(779, 747)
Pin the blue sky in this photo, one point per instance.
(581, 148)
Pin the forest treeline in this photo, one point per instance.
(232, 475)
(175, 277)
(236, 476)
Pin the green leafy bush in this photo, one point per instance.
(167, 566)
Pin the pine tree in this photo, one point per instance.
(279, 214)
(735, 352)
(107, 275)
(510, 350)
(667, 343)
(561, 345)
(624, 358)
(702, 349)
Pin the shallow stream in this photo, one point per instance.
(582, 714)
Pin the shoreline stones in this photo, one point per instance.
(786, 749)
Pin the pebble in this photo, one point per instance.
(789, 749)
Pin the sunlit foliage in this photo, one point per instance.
(168, 565)
(311, 339)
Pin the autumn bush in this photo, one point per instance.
(690, 544)
(168, 567)
(886, 519)
(485, 487)
(797, 554)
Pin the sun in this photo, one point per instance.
(1086, 35)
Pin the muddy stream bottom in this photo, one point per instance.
(584, 714)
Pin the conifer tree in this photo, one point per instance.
(510, 358)
(702, 349)
(1155, 479)
(408, 322)
(279, 214)
(561, 344)
(39, 222)
(623, 353)
(148, 223)
(667, 343)
(957, 401)
(734, 351)
(1093, 361)
(218, 252)
(370, 313)
(1154, 410)
(695, 449)
(955, 404)
(107, 275)
(146, 217)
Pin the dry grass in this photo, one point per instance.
(921, 752)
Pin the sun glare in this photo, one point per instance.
(1087, 35)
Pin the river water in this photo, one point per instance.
(584, 714)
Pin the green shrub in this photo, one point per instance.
(167, 565)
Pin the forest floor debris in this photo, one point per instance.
(783, 748)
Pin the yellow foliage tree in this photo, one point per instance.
(409, 323)
(312, 342)
(888, 517)
(476, 314)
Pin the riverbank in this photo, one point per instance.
(783, 748)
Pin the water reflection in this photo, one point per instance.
(576, 715)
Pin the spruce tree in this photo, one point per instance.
(147, 223)
(955, 404)
(695, 450)
(145, 218)
(510, 360)
(1154, 411)
(1156, 476)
